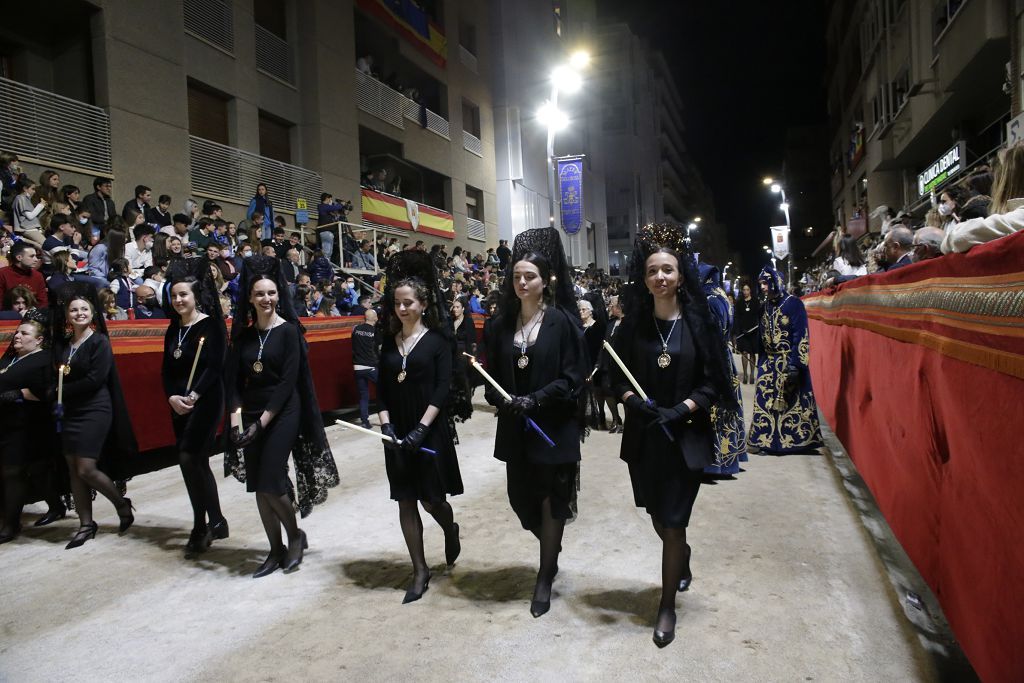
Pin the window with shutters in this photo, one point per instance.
(207, 113)
(271, 15)
(211, 21)
(275, 138)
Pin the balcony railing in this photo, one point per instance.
(472, 144)
(435, 122)
(232, 174)
(211, 21)
(42, 126)
(476, 230)
(468, 59)
(393, 107)
(274, 55)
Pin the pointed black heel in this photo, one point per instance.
(294, 557)
(52, 516)
(84, 533)
(663, 638)
(127, 519)
(411, 595)
(269, 566)
(452, 547)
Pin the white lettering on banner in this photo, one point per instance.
(947, 166)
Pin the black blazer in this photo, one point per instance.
(694, 434)
(557, 370)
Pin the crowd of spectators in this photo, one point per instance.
(984, 206)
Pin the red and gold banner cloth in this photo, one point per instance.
(965, 306)
(920, 373)
(395, 212)
(411, 22)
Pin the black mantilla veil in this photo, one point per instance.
(419, 266)
(558, 291)
(197, 272)
(120, 446)
(315, 469)
(639, 303)
(36, 315)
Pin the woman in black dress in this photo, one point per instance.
(593, 338)
(465, 342)
(746, 316)
(416, 361)
(274, 413)
(675, 353)
(196, 410)
(26, 426)
(535, 352)
(93, 418)
(602, 382)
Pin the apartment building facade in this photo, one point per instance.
(206, 98)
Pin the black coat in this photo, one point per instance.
(693, 434)
(557, 372)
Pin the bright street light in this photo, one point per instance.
(691, 226)
(579, 59)
(767, 181)
(552, 117)
(776, 188)
(784, 206)
(697, 219)
(567, 79)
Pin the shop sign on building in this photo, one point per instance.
(944, 168)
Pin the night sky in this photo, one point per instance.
(746, 71)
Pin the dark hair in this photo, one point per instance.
(100, 180)
(66, 190)
(130, 215)
(58, 220)
(850, 252)
(509, 304)
(431, 319)
(114, 239)
(142, 189)
(23, 184)
(20, 247)
(144, 230)
(180, 218)
(20, 292)
(164, 199)
(324, 196)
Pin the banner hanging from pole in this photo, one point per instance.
(570, 183)
(780, 241)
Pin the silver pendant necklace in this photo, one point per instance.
(524, 360)
(14, 361)
(664, 360)
(181, 338)
(257, 366)
(405, 354)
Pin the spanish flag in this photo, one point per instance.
(387, 209)
(412, 23)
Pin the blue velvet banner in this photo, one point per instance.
(570, 179)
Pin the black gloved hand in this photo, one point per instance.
(674, 414)
(646, 408)
(414, 439)
(791, 384)
(388, 430)
(12, 396)
(241, 439)
(524, 405)
(507, 406)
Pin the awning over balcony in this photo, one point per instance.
(395, 212)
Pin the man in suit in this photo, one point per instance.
(898, 247)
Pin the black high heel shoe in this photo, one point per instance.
(453, 547)
(128, 519)
(52, 516)
(84, 533)
(663, 638)
(219, 530)
(294, 557)
(411, 595)
(198, 542)
(269, 566)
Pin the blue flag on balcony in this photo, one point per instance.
(570, 180)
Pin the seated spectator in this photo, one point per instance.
(1007, 207)
(252, 227)
(134, 220)
(62, 272)
(99, 204)
(290, 266)
(19, 299)
(139, 253)
(159, 216)
(154, 278)
(849, 260)
(320, 268)
(26, 215)
(302, 298)
(897, 248)
(327, 308)
(202, 235)
(279, 243)
(363, 258)
(121, 283)
(108, 302)
(178, 227)
(146, 305)
(927, 244)
(140, 204)
(24, 270)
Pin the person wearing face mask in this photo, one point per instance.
(146, 305)
(140, 251)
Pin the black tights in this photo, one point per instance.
(14, 498)
(549, 533)
(412, 530)
(675, 565)
(201, 487)
(277, 511)
(85, 475)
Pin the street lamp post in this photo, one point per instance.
(565, 78)
(784, 207)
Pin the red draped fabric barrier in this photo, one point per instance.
(920, 373)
